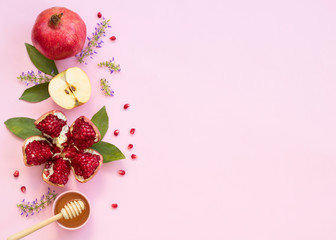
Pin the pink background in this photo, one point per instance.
(234, 106)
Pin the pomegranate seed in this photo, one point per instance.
(116, 132)
(133, 156)
(16, 173)
(132, 131)
(126, 106)
(23, 189)
(130, 146)
(99, 15)
(114, 205)
(121, 172)
(113, 38)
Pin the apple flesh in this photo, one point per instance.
(70, 88)
(58, 33)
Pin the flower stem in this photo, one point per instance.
(34, 78)
(95, 41)
(29, 209)
(105, 87)
(111, 65)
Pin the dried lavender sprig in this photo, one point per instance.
(105, 87)
(34, 78)
(29, 209)
(95, 41)
(111, 65)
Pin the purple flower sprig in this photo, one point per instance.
(106, 89)
(30, 208)
(34, 78)
(111, 65)
(94, 41)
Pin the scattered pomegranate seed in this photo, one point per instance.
(126, 106)
(113, 38)
(132, 131)
(133, 156)
(114, 205)
(116, 132)
(16, 173)
(99, 15)
(130, 146)
(23, 189)
(121, 172)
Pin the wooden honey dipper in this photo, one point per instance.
(71, 210)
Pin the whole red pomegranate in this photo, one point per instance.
(63, 148)
(59, 33)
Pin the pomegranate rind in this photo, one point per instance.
(26, 142)
(95, 129)
(46, 177)
(84, 180)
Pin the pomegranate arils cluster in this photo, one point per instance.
(37, 151)
(84, 164)
(51, 125)
(58, 169)
(83, 134)
(63, 148)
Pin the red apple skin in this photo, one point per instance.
(64, 40)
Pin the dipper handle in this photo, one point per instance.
(70, 210)
(35, 227)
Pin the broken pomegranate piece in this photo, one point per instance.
(63, 148)
(51, 123)
(53, 126)
(84, 133)
(56, 171)
(85, 164)
(36, 151)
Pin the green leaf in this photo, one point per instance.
(36, 93)
(108, 151)
(22, 127)
(100, 119)
(41, 62)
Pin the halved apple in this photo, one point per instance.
(70, 88)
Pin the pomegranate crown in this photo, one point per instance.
(55, 20)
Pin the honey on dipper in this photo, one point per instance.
(69, 197)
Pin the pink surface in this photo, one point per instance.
(234, 106)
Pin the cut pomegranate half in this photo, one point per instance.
(36, 151)
(86, 164)
(56, 171)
